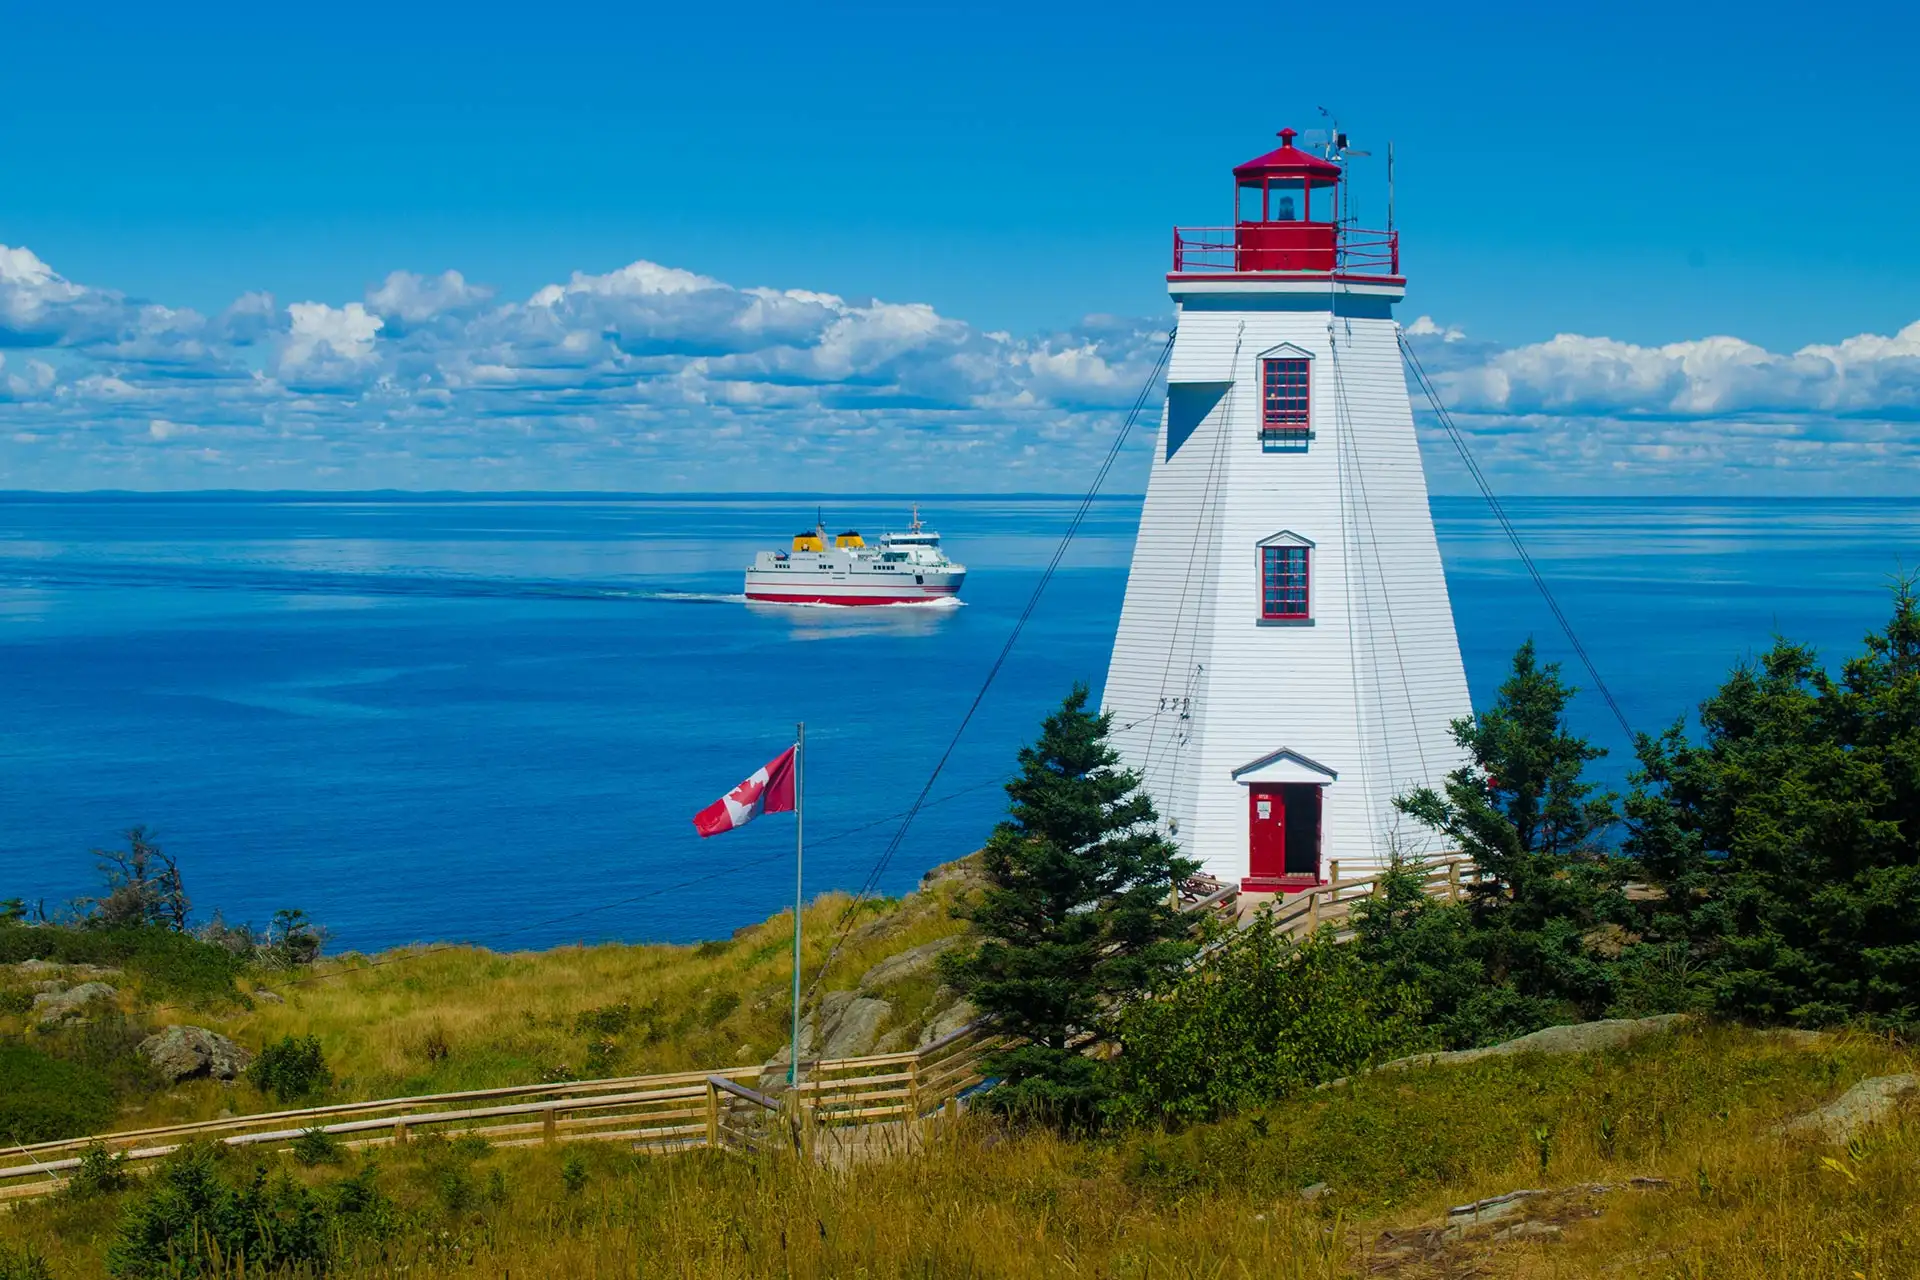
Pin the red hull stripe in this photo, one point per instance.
(819, 599)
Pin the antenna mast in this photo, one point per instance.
(1389, 188)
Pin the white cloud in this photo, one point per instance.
(1701, 378)
(320, 333)
(414, 299)
(653, 376)
(1424, 327)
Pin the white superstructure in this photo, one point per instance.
(905, 568)
(1286, 662)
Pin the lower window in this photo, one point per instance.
(1283, 582)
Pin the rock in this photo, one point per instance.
(908, 963)
(1317, 1191)
(858, 1026)
(962, 871)
(184, 1053)
(1796, 1037)
(1528, 1231)
(948, 1020)
(28, 968)
(54, 1007)
(844, 1026)
(1582, 1037)
(1492, 1209)
(271, 997)
(1869, 1103)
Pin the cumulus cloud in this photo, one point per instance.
(1703, 378)
(1704, 415)
(1424, 327)
(652, 376)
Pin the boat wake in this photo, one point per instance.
(56, 574)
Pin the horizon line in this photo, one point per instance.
(780, 495)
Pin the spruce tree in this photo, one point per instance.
(1522, 809)
(1075, 917)
(1787, 842)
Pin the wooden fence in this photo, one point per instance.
(896, 1092)
(1296, 915)
(655, 1113)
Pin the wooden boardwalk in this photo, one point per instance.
(845, 1109)
(672, 1112)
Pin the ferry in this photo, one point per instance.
(905, 568)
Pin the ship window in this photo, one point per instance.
(1283, 582)
(1284, 407)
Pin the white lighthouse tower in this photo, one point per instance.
(1286, 662)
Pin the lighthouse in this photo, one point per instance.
(1286, 662)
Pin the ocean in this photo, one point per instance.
(492, 719)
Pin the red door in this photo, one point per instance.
(1266, 834)
(1283, 836)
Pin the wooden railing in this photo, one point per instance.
(1297, 915)
(694, 1108)
(653, 1113)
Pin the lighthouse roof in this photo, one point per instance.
(1288, 161)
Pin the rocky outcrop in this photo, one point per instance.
(1869, 1103)
(952, 1014)
(844, 1026)
(1581, 1037)
(910, 963)
(67, 1004)
(188, 1053)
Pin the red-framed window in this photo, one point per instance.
(1285, 399)
(1283, 583)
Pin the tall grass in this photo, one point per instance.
(442, 1019)
(1695, 1108)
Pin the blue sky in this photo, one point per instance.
(848, 247)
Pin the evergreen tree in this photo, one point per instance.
(1787, 843)
(1075, 916)
(1522, 809)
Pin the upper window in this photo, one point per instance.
(1283, 582)
(1284, 419)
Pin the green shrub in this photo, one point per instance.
(191, 1220)
(177, 965)
(43, 1097)
(317, 1146)
(607, 1020)
(23, 1263)
(14, 1002)
(1260, 1019)
(291, 1068)
(573, 1172)
(720, 1006)
(101, 1173)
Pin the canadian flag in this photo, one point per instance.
(769, 790)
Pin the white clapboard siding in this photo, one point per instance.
(1198, 684)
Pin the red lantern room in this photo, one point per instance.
(1287, 219)
(1286, 210)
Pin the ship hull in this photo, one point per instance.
(793, 588)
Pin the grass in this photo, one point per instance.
(1694, 1108)
(442, 1019)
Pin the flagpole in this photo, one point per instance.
(799, 828)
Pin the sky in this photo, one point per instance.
(843, 248)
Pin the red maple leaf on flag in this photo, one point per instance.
(770, 790)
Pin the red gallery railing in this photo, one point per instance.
(1250, 248)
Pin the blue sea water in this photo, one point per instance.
(492, 719)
